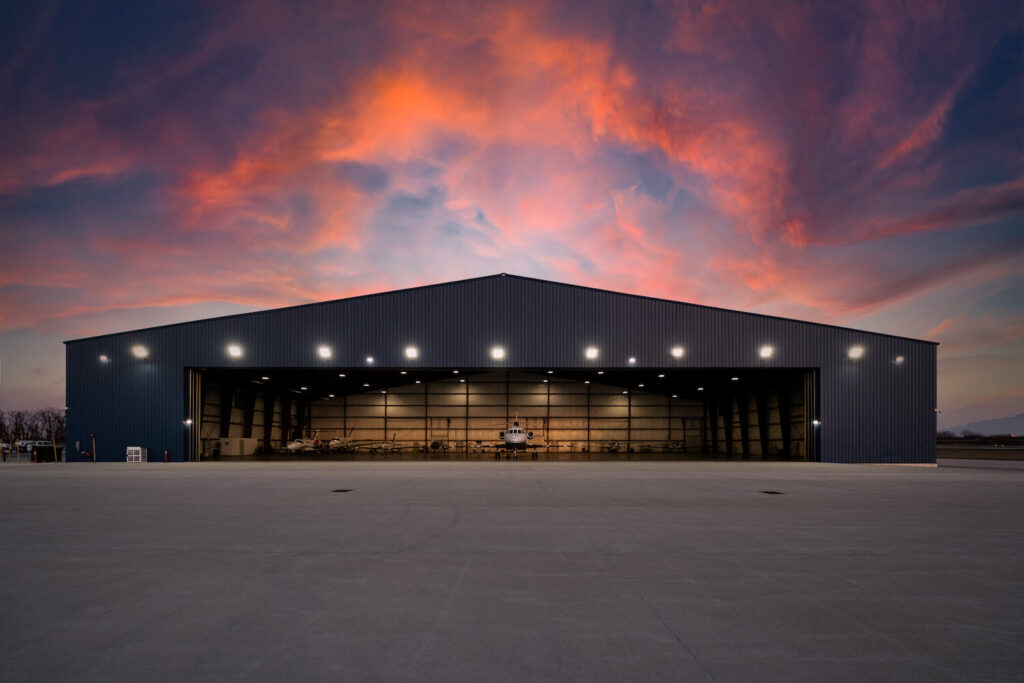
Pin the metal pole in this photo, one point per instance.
(94, 458)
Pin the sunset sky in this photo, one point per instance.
(860, 164)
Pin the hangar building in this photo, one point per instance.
(442, 369)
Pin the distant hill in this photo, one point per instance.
(1000, 425)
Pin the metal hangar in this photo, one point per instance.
(442, 370)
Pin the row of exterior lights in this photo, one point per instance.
(497, 353)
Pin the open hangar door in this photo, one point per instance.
(755, 414)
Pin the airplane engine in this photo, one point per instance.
(501, 435)
(529, 435)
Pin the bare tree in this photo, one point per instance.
(18, 423)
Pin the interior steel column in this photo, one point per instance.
(743, 406)
(785, 418)
(227, 402)
(269, 405)
(286, 417)
(248, 412)
(761, 401)
(727, 421)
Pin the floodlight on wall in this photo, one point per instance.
(766, 352)
(265, 379)
(462, 381)
(734, 379)
(641, 386)
(816, 423)
(855, 352)
(600, 372)
(303, 388)
(899, 359)
(661, 376)
(365, 384)
(369, 360)
(341, 374)
(700, 388)
(140, 351)
(590, 353)
(675, 395)
(188, 422)
(632, 360)
(497, 353)
(678, 352)
(417, 381)
(412, 353)
(330, 395)
(234, 350)
(586, 381)
(324, 351)
(404, 372)
(104, 358)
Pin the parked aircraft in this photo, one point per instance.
(305, 444)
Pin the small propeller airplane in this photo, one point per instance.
(305, 444)
(385, 446)
(345, 442)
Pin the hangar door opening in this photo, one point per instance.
(572, 413)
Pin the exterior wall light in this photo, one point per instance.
(104, 358)
(234, 350)
(700, 388)
(632, 360)
(734, 379)
(590, 353)
(140, 351)
(324, 352)
(369, 360)
(675, 395)
(766, 352)
(816, 423)
(498, 353)
(412, 353)
(678, 351)
(661, 376)
(303, 388)
(899, 359)
(188, 422)
(855, 352)
(265, 378)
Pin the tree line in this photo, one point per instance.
(32, 425)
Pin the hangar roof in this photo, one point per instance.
(492, 277)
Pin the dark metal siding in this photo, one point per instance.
(872, 410)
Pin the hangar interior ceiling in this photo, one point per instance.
(719, 413)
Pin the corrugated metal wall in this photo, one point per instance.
(871, 410)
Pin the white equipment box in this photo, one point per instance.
(137, 454)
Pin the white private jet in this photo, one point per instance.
(514, 438)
